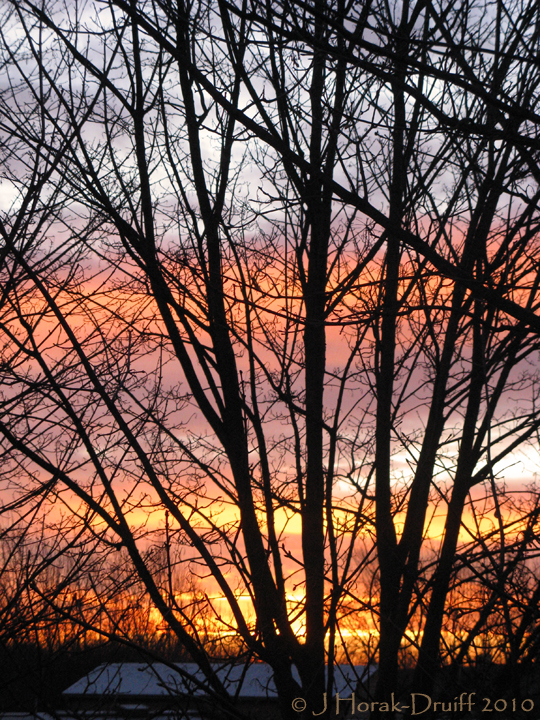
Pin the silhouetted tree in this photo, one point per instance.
(284, 301)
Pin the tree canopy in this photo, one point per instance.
(270, 328)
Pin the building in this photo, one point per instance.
(179, 690)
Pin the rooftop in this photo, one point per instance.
(159, 679)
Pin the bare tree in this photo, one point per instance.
(284, 302)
